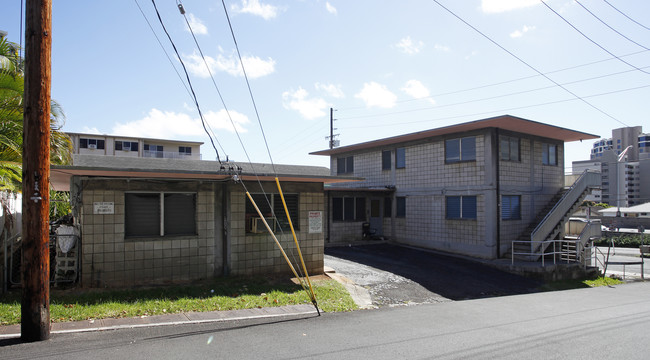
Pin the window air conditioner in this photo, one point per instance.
(257, 225)
(92, 146)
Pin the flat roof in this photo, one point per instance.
(128, 167)
(505, 122)
(135, 137)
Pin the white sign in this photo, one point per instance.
(315, 222)
(103, 208)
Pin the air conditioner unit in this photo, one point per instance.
(126, 148)
(257, 225)
(92, 146)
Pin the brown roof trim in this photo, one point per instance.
(506, 122)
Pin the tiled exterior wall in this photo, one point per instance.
(427, 180)
(111, 260)
(535, 182)
(258, 254)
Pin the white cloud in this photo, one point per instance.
(90, 130)
(255, 66)
(331, 9)
(408, 46)
(520, 33)
(255, 7)
(498, 6)
(471, 55)
(197, 25)
(171, 125)
(443, 48)
(417, 90)
(375, 94)
(298, 100)
(331, 90)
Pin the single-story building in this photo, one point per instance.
(151, 220)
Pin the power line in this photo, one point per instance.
(163, 48)
(629, 18)
(486, 98)
(502, 82)
(250, 91)
(501, 111)
(592, 40)
(611, 28)
(528, 65)
(196, 101)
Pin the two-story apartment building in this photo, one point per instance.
(126, 146)
(469, 188)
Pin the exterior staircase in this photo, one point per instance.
(549, 224)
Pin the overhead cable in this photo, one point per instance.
(592, 40)
(528, 65)
(189, 82)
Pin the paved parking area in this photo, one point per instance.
(395, 275)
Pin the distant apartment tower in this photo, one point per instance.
(125, 146)
(625, 182)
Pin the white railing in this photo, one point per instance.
(165, 154)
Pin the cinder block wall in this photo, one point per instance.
(257, 254)
(111, 260)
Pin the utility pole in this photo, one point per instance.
(332, 135)
(35, 306)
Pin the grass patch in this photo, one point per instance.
(577, 284)
(219, 294)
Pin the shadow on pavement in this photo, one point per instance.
(451, 277)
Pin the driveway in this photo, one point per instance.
(396, 275)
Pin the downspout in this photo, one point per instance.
(224, 227)
(329, 239)
(497, 158)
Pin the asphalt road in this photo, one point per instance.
(399, 275)
(598, 323)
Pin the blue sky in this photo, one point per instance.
(388, 68)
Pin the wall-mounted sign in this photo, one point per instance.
(103, 208)
(315, 222)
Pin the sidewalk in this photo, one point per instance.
(303, 310)
(623, 255)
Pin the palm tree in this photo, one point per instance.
(11, 122)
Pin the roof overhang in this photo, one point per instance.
(505, 122)
(60, 176)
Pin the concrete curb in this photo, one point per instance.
(13, 331)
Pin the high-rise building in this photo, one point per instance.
(624, 161)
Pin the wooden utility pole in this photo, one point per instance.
(35, 309)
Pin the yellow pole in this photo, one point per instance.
(274, 238)
(295, 239)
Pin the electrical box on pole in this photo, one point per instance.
(35, 306)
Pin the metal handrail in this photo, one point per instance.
(568, 199)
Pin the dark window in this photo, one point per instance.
(510, 207)
(385, 160)
(270, 204)
(337, 209)
(509, 148)
(401, 207)
(400, 158)
(118, 145)
(463, 149)
(91, 143)
(180, 214)
(186, 150)
(388, 207)
(142, 214)
(134, 146)
(549, 154)
(461, 207)
(349, 209)
(345, 165)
